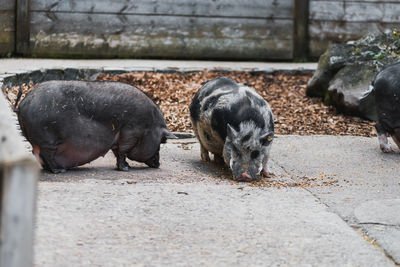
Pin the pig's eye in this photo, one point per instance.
(266, 141)
(255, 154)
(235, 150)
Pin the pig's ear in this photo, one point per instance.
(230, 132)
(266, 139)
(167, 135)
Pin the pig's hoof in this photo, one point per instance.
(153, 164)
(124, 168)
(387, 149)
(58, 170)
(267, 174)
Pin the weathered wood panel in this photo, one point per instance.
(22, 27)
(18, 199)
(339, 21)
(7, 5)
(360, 11)
(160, 36)
(209, 8)
(300, 29)
(7, 26)
(18, 178)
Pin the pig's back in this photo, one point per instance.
(101, 101)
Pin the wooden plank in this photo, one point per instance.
(7, 5)
(300, 29)
(215, 8)
(355, 11)
(185, 48)
(344, 31)
(374, 1)
(18, 173)
(161, 36)
(7, 32)
(7, 21)
(22, 27)
(18, 198)
(168, 26)
(339, 21)
(324, 33)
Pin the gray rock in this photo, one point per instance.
(356, 77)
(345, 72)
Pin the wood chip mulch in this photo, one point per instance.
(294, 112)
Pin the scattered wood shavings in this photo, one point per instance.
(303, 182)
(294, 112)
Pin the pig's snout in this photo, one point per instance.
(244, 178)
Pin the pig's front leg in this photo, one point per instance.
(204, 153)
(49, 162)
(265, 171)
(122, 165)
(383, 140)
(121, 148)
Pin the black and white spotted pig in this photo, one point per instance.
(232, 121)
(386, 90)
(70, 123)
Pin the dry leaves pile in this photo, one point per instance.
(12, 92)
(294, 112)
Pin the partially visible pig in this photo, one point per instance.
(234, 122)
(386, 90)
(70, 123)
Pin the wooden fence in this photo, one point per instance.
(197, 29)
(337, 21)
(18, 181)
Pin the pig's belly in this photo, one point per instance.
(69, 155)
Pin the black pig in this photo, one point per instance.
(386, 90)
(70, 123)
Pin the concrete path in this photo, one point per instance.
(335, 201)
(341, 208)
